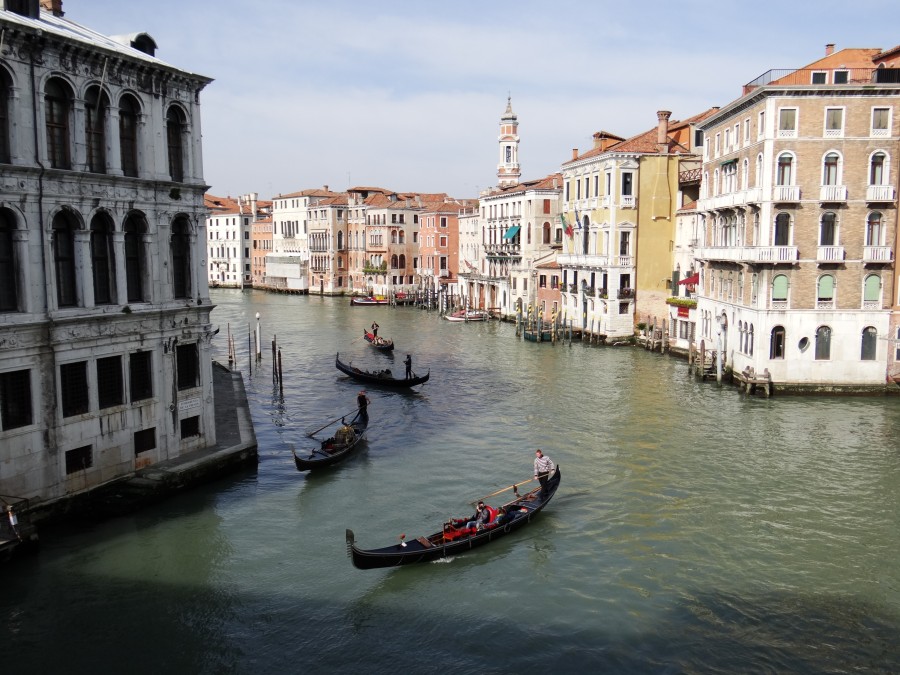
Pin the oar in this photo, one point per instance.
(310, 433)
(511, 487)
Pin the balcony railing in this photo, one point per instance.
(786, 193)
(625, 293)
(586, 261)
(880, 193)
(833, 193)
(749, 254)
(876, 254)
(830, 254)
(627, 202)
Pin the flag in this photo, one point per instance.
(577, 220)
(567, 228)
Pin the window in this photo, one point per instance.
(103, 267)
(4, 116)
(95, 108)
(144, 440)
(819, 77)
(190, 426)
(175, 128)
(9, 296)
(79, 459)
(15, 399)
(823, 343)
(876, 169)
(780, 288)
(140, 370)
(627, 184)
(873, 229)
(841, 76)
(64, 259)
(761, 124)
(110, 391)
(827, 230)
(128, 135)
(57, 106)
(834, 122)
(188, 366)
(73, 385)
(624, 243)
(825, 286)
(776, 343)
(698, 138)
(782, 234)
(181, 259)
(869, 344)
(831, 169)
(787, 122)
(135, 228)
(881, 122)
(785, 170)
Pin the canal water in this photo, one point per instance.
(696, 530)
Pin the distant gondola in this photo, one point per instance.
(332, 450)
(381, 343)
(383, 378)
(357, 301)
(448, 541)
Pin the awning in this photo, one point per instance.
(511, 232)
(691, 280)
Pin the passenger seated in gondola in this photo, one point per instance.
(482, 516)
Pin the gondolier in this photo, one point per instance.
(543, 469)
(374, 329)
(362, 403)
(408, 364)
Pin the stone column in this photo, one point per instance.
(84, 281)
(121, 290)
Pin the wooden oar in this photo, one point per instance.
(511, 487)
(328, 424)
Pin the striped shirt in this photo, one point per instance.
(543, 465)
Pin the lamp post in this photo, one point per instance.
(258, 342)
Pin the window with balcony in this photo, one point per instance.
(874, 227)
(776, 343)
(881, 122)
(869, 345)
(624, 243)
(787, 123)
(785, 171)
(627, 184)
(834, 122)
(782, 232)
(828, 229)
(877, 173)
(831, 169)
(823, 343)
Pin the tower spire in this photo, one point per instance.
(508, 170)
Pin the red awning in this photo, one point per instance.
(691, 280)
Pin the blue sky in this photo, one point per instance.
(408, 95)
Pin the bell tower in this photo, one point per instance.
(508, 171)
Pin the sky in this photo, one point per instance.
(408, 95)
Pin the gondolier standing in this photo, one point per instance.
(374, 329)
(543, 469)
(408, 364)
(362, 402)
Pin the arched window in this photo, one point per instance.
(57, 106)
(782, 234)
(64, 227)
(872, 289)
(180, 250)
(102, 261)
(825, 286)
(401, 262)
(394, 261)
(5, 89)
(175, 128)
(750, 346)
(876, 169)
(745, 174)
(869, 344)
(340, 241)
(827, 229)
(831, 169)
(393, 236)
(402, 236)
(135, 228)
(96, 105)
(129, 112)
(776, 344)
(823, 343)
(9, 297)
(785, 173)
(759, 168)
(780, 288)
(873, 229)
(546, 233)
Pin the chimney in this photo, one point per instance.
(253, 206)
(326, 188)
(574, 153)
(662, 131)
(829, 49)
(54, 6)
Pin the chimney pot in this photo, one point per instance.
(574, 153)
(829, 49)
(662, 130)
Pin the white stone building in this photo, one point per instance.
(104, 310)
(229, 227)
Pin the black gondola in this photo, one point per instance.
(446, 542)
(334, 449)
(381, 343)
(383, 378)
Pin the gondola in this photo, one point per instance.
(381, 343)
(383, 378)
(449, 541)
(470, 315)
(332, 450)
(356, 301)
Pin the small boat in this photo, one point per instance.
(368, 300)
(382, 378)
(332, 450)
(381, 343)
(450, 541)
(468, 315)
